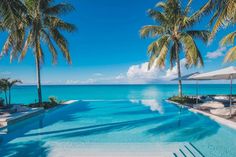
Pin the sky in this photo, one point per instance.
(107, 47)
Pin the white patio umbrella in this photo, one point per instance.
(228, 73)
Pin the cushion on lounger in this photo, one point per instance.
(210, 105)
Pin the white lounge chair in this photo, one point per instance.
(224, 111)
(210, 105)
(20, 108)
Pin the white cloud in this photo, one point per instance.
(172, 73)
(217, 53)
(140, 73)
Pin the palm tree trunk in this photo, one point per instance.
(9, 96)
(38, 79)
(6, 97)
(178, 70)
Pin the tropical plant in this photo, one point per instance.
(172, 34)
(44, 27)
(4, 88)
(11, 83)
(6, 85)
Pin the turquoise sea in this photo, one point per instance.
(27, 94)
(114, 115)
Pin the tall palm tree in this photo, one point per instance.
(172, 34)
(44, 27)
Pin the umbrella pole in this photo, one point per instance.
(230, 99)
(196, 91)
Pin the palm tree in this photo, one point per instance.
(12, 21)
(44, 26)
(4, 88)
(173, 35)
(225, 11)
(6, 85)
(10, 84)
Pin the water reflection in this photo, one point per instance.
(152, 103)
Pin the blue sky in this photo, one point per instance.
(107, 47)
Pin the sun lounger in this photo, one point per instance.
(20, 108)
(224, 111)
(209, 105)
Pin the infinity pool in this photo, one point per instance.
(105, 125)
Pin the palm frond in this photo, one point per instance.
(51, 47)
(192, 53)
(157, 16)
(57, 9)
(26, 46)
(61, 43)
(228, 39)
(200, 34)
(55, 22)
(224, 15)
(195, 17)
(187, 9)
(230, 55)
(151, 31)
(160, 61)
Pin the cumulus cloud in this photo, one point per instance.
(140, 73)
(217, 53)
(172, 73)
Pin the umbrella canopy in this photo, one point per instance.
(186, 77)
(221, 74)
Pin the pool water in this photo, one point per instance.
(89, 125)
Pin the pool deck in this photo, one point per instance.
(8, 119)
(13, 118)
(220, 120)
(125, 150)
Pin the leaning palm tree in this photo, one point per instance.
(224, 14)
(225, 11)
(173, 35)
(44, 26)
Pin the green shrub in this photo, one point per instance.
(183, 100)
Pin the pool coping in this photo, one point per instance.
(20, 116)
(217, 119)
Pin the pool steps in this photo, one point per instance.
(188, 150)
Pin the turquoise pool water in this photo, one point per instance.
(115, 115)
